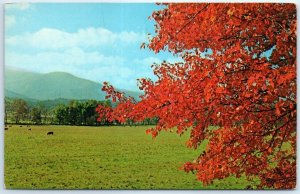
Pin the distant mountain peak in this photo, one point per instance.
(54, 85)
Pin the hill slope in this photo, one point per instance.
(11, 94)
(52, 86)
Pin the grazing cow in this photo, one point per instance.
(50, 133)
(29, 129)
(9, 125)
(21, 126)
(5, 128)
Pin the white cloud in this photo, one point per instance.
(129, 37)
(11, 9)
(60, 61)
(18, 6)
(118, 76)
(54, 39)
(10, 20)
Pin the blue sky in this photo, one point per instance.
(100, 42)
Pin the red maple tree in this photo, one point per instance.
(238, 74)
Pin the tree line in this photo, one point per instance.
(19, 111)
(75, 112)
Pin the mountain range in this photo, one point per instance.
(54, 85)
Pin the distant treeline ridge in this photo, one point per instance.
(74, 112)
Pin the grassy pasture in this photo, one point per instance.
(99, 158)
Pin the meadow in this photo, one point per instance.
(100, 158)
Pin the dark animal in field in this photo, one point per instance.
(5, 128)
(21, 126)
(29, 129)
(50, 133)
(9, 125)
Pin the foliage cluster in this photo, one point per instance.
(238, 73)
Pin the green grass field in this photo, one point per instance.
(100, 158)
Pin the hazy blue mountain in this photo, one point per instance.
(11, 94)
(52, 86)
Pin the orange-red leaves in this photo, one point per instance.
(246, 87)
(277, 109)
